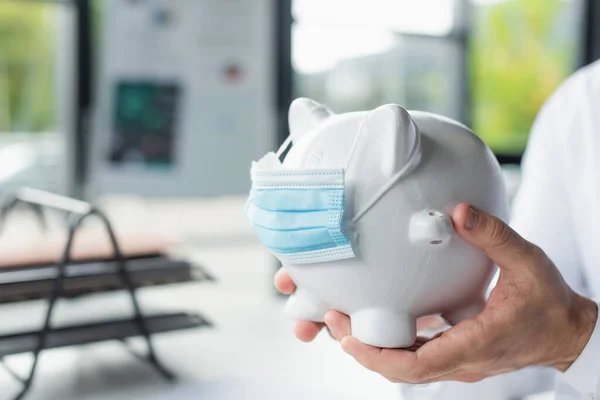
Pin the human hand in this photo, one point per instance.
(304, 330)
(532, 317)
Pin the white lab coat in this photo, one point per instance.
(558, 208)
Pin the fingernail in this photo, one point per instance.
(472, 218)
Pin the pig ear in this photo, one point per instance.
(392, 127)
(306, 114)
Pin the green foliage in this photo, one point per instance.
(26, 66)
(517, 60)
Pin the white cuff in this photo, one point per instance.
(584, 374)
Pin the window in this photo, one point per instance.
(520, 52)
(32, 140)
(27, 50)
(361, 54)
(487, 63)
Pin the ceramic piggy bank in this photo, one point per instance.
(358, 212)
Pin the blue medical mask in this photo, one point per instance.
(300, 214)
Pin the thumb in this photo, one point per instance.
(499, 241)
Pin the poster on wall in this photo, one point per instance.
(144, 124)
(186, 96)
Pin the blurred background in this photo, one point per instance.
(154, 109)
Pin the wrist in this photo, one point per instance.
(583, 314)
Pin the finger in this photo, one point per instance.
(457, 376)
(393, 379)
(387, 362)
(500, 242)
(433, 360)
(421, 340)
(430, 322)
(284, 283)
(329, 332)
(446, 353)
(417, 344)
(306, 330)
(338, 324)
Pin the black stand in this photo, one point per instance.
(49, 337)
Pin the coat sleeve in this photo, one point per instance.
(541, 211)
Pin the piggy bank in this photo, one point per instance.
(358, 211)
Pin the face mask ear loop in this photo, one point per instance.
(284, 146)
(413, 160)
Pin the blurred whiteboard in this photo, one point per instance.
(186, 96)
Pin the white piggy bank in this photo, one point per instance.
(409, 262)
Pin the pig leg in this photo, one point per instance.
(384, 328)
(470, 310)
(303, 306)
